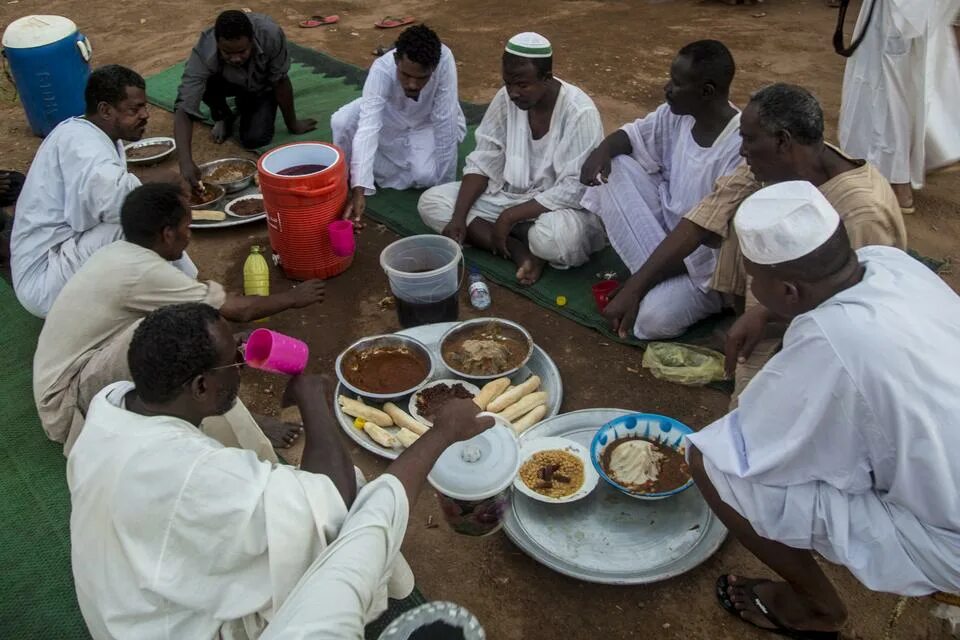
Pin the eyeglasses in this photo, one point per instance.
(240, 363)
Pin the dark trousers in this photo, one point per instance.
(9, 196)
(257, 111)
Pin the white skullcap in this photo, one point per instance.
(529, 45)
(783, 222)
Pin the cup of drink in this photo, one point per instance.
(276, 352)
(602, 291)
(341, 237)
(473, 479)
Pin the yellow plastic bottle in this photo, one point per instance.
(256, 274)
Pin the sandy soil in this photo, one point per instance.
(619, 51)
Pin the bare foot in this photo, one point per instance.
(280, 434)
(783, 603)
(529, 266)
(221, 130)
(904, 193)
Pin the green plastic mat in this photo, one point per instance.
(322, 84)
(38, 598)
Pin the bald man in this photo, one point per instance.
(845, 442)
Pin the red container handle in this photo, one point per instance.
(307, 193)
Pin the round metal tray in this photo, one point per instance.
(609, 537)
(540, 363)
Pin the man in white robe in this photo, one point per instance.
(83, 347)
(175, 536)
(69, 206)
(901, 91)
(844, 443)
(647, 175)
(336, 594)
(520, 194)
(403, 133)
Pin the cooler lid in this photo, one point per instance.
(37, 31)
(478, 468)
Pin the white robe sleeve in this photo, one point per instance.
(488, 158)
(96, 182)
(267, 524)
(580, 135)
(446, 119)
(801, 419)
(366, 139)
(339, 592)
(648, 137)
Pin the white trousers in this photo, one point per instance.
(404, 157)
(38, 293)
(629, 205)
(564, 237)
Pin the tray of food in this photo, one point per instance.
(635, 533)
(391, 386)
(233, 174)
(149, 150)
(230, 210)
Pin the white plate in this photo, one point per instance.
(590, 475)
(472, 388)
(228, 209)
(146, 142)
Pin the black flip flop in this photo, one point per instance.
(781, 629)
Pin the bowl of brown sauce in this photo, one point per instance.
(385, 367)
(643, 455)
(486, 348)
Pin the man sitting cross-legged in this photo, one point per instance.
(83, 345)
(174, 535)
(647, 175)
(781, 130)
(520, 194)
(845, 442)
(404, 130)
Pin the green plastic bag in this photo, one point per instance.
(683, 363)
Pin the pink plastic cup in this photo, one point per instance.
(602, 291)
(341, 237)
(275, 352)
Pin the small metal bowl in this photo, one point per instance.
(212, 202)
(170, 143)
(232, 186)
(384, 341)
(469, 324)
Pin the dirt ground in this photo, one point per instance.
(620, 53)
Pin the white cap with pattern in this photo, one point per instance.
(529, 45)
(783, 222)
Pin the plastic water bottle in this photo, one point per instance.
(256, 273)
(479, 291)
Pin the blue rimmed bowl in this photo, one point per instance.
(661, 430)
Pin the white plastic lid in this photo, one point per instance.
(37, 31)
(478, 468)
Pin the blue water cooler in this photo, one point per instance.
(50, 63)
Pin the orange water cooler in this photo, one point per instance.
(299, 207)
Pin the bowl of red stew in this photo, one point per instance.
(643, 455)
(385, 367)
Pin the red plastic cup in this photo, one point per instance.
(341, 237)
(602, 291)
(276, 352)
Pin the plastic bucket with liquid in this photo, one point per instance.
(424, 277)
(304, 188)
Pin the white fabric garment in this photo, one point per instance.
(901, 89)
(846, 441)
(400, 143)
(648, 193)
(520, 169)
(69, 208)
(175, 536)
(338, 592)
